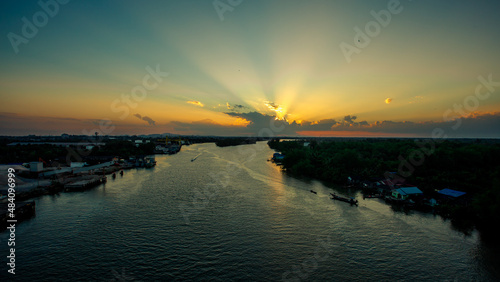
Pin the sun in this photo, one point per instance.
(277, 109)
(280, 113)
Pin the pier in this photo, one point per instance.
(85, 183)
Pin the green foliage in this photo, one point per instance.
(235, 141)
(32, 153)
(462, 166)
(123, 148)
(487, 205)
(472, 168)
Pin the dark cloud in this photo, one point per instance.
(322, 125)
(349, 122)
(258, 121)
(475, 125)
(149, 120)
(234, 107)
(350, 119)
(272, 105)
(145, 118)
(483, 125)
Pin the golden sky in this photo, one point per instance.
(188, 67)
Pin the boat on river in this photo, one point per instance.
(351, 200)
(372, 196)
(194, 159)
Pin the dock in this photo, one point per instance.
(351, 201)
(85, 184)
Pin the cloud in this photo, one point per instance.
(474, 125)
(149, 120)
(479, 125)
(271, 105)
(258, 121)
(196, 103)
(145, 118)
(350, 119)
(234, 107)
(280, 112)
(321, 125)
(388, 100)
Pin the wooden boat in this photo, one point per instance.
(351, 201)
(194, 159)
(372, 196)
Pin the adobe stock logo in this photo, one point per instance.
(225, 6)
(29, 30)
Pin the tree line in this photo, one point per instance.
(473, 168)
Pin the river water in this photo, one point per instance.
(232, 215)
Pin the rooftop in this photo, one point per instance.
(408, 191)
(451, 193)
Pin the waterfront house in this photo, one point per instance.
(404, 192)
(453, 196)
(450, 194)
(384, 186)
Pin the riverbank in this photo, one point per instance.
(68, 182)
(376, 164)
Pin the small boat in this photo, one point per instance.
(194, 159)
(351, 200)
(372, 196)
(114, 175)
(314, 192)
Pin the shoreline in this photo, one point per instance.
(319, 161)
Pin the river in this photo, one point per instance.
(232, 215)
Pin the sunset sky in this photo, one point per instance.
(241, 67)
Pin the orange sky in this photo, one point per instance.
(147, 68)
